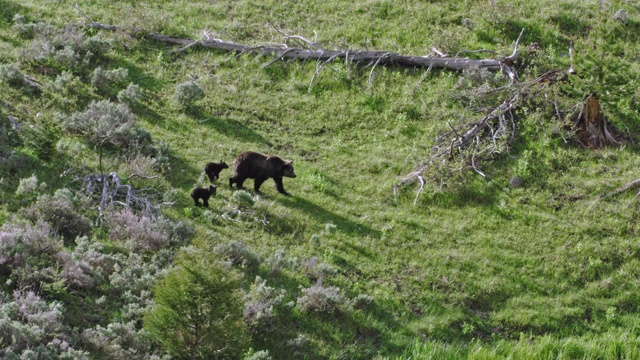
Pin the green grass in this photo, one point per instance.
(476, 270)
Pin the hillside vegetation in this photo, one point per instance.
(103, 135)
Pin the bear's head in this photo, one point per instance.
(287, 169)
(212, 190)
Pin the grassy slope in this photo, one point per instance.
(483, 261)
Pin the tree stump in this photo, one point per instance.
(592, 128)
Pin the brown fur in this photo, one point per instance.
(213, 170)
(260, 167)
(204, 194)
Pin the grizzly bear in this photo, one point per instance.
(204, 194)
(213, 170)
(260, 167)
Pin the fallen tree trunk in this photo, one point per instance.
(358, 56)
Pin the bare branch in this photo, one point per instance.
(278, 58)
(415, 201)
(83, 13)
(514, 55)
(440, 53)
(184, 47)
(142, 176)
(632, 184)
(571, 68)
(318, 69)
(247, 50)
(374, 67)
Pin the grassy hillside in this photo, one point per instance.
(345, 267)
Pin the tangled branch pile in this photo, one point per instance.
(470, 144)
(111, 191)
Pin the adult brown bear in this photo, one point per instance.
(260, 167)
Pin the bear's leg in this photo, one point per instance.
(205, 202)
(195, 200)
(238, 180)
(279, 185)
(258, 183)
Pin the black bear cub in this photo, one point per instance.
(204, 194)
(213, 170)
(260, 167)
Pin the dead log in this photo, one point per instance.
(282, 51)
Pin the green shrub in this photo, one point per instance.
(41, 137)
(103, 122)
(318, 298)
(198, 313)
(32, 328)
(131, 95)
(29, 186)
(102, 78)
(136, 233)
(66, 47)
(242, 199)
(8, 134)
(187, 93)
(279, 261)
(58, 211)
(11, 74)
(262, 304)
(239, 254)
(314, 269)
(260, 355)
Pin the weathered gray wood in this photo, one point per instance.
(366, 57)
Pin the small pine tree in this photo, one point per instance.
(198, 313)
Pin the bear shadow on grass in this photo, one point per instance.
(235, 129)
(324, 216)
(181, 174)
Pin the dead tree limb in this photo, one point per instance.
(466, 146)
(110, 190)
(633, 184)
(316, 52)
(318, 68)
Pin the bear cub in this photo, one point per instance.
(260, 167)
(213, 170)
(204, 194)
